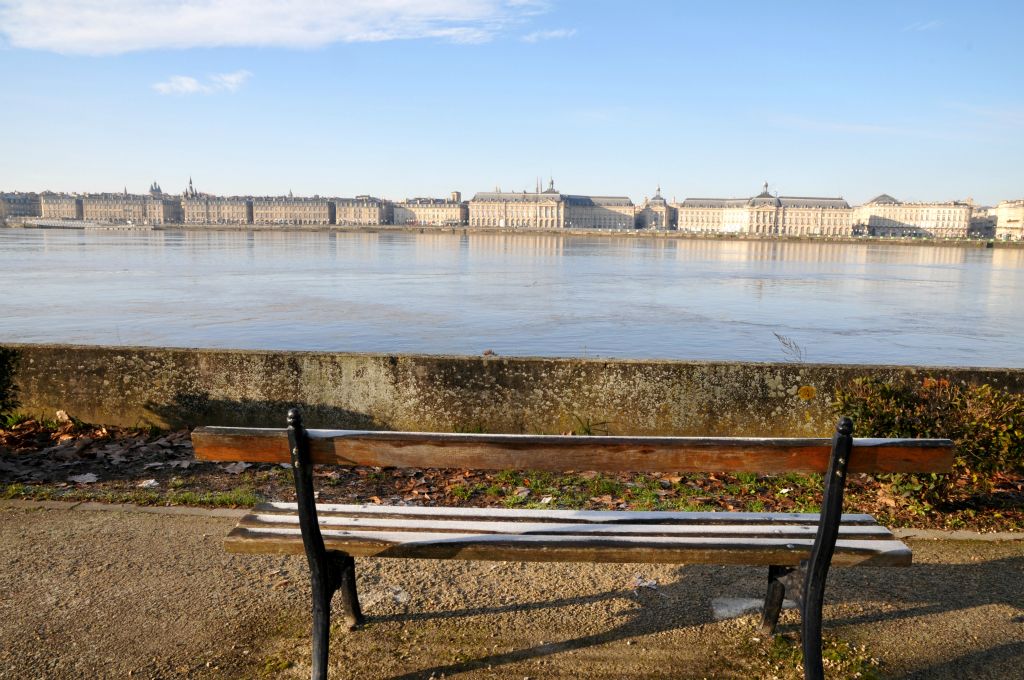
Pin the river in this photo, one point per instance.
(515, 294)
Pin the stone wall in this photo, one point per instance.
(176, 387)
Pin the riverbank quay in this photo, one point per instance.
(129, 592)
(182, 387)
(603, 233)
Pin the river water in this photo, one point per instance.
(515, 294)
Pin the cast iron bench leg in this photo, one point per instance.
(773, 599)
(813, 594)
(345, 565)
(328, 571)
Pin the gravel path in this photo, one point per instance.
(129, 594)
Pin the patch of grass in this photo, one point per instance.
(233, 498)
(782, 656)
(273, 665)
(645, 499)
(462, 491)
(12, 420)
(588, 428)
(514, 501)
(509, 477)
(15, 490)
(601, 485)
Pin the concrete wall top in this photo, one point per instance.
(171, 387)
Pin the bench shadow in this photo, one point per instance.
(1000, 661)
(659, 610)
(924, 589)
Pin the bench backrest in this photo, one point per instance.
(560, 453)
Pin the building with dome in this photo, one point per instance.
(656, 213)
(767, 215)
(550, 209)
(884, 215)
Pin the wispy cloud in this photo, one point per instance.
(555, 34)
(218, 82)
(116, 26)
(919, 26)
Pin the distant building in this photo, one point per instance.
(199, 208)
(767, 215)
(363, 210)
(550, 209)
(983, 221)
(435, 211)
(1010, 220)
(119, 208)
(152, 208)
(19, 204)
(656, 213)
(60, 206)
(205, 209)
(292, 210)
(886, 216)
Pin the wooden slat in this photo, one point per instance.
(258, 521)
(536, 515)
(559, 453)
(547, 548)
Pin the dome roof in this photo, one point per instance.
(884, 199)
(765, 198)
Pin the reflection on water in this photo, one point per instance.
(516, 294)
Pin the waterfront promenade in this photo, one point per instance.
(118, 591)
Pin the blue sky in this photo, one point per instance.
(922, 100)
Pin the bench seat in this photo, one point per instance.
(798, 549)
(749, 538)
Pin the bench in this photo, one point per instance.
(797, 548)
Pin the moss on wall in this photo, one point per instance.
(177, 387)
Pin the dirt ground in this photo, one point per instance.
(112, 593)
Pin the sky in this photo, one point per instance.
(401, 98)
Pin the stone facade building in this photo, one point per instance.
(200, 208)
(438, 211)
(205, 209)
(292, 210)
(767, 215)
(60, 206)
(886, 216)
(119, 208)
(124, 208)
(363, 210)
(599, 212)
(1010, 220)
(19, 204)
(656, 213)
(550, 209)
(163, 210)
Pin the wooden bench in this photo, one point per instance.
(798, 549)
